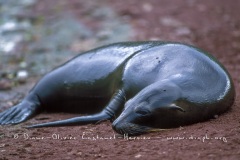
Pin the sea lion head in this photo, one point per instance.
(152, 108)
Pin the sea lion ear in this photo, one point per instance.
(175, 107)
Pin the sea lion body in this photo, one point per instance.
(91, 76)
(164, 85)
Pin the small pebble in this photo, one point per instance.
(5, 84)
(22, 76)
(138, 156)
(23, 65)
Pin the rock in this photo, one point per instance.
(5, 84)
(22, 76)
(170, 22)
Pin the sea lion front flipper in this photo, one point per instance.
(20, 112)
(113, 107)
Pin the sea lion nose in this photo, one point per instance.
(116, 125)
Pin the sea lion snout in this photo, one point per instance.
(135, 119)
(124, 127)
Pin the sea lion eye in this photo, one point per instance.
(143, 112)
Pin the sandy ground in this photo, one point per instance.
(213, 25)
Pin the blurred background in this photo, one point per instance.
(36, 36)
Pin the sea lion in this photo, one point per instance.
(146, 85)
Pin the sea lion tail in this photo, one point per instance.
(74, 121)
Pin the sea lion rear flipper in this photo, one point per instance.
(113, 107)
(74, 121)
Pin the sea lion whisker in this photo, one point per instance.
(132, 129)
